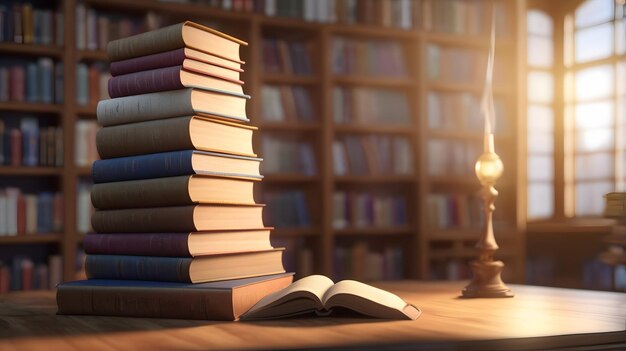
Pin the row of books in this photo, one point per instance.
(85, 142)
(449, 211)
(287, 103)
(29, 144)
(22, 23)
(451, 269)
(39, 81)
(25, 274)
(389, 13)
(22, 214)
(368, 57)
(464, 17)
(455, 65)
(452, 157)
(614, 254)
(95, 28)
(298, 256)
(370, 105)
(361, 262)
(372, 155)
(364, 210)
(287, 56)
(84, 208)
(461, 111)
(288, 156)
(91, 83)
(286, 209)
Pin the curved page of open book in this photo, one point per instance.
(304, 295)
(368, 300)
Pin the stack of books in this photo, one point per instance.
(177, 226)
(615, 254)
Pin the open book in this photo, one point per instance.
(317, 293)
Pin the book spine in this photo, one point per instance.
(165, 39)
(155, 302)
(144, 138)
(130, 109)
(166, 269)
(145, 220)
(145, 63)
(162, 79)
(153, 244)
(142, 193)
(142, 167)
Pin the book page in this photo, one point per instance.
(368, 292)
(317, 285)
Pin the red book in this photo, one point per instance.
(171, 58)
(27, 274)
(16, 147)
(16, 83)
(4, 279)
(94, 85)
(21, 215)
(171, 78)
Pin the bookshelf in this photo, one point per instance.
(319, 244)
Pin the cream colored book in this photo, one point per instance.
(318, 294)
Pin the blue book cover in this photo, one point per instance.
(158, 165)
(32, 94)
(46, 67)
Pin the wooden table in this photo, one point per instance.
(537, 318)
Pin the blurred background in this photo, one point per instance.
(370, 125)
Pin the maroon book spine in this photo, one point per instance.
(145, 63)
(153, 244)
(161, 79)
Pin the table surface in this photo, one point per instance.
(536, 318)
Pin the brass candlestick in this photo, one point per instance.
(487, 281)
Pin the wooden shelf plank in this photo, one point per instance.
(83, 171)
(42, 238)
(286, 78)
(383, 82)
(86, 111)
(376, 179)
(30, 49)
(462, 40)
(30, 171)
(34, 107)
(467, 135)
(92, 55)
(464, 88)
(373, 231)
(373, 128)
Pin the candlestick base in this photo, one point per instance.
(487, 281)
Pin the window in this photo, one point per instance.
(593, 69)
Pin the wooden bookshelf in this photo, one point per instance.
(322, 237)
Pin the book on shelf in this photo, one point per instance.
(85, 142)
(26, 143)
(365, 106)
(178, 219)
(199, 61)
(449, 211)
(26, 274)
(23, 23)
(182, 35)
(320, 295)
(297, 257)
(363, 210)
(172, 78)
(372, 155)
(171, 134)
(289, 57)
(461, 111)
(23, 214)
(223, 300)
(168, 104)
(287, 209)
(368, 57)
(358, 261)
(287, 103)
(288, 156)
(91, 83)
(207, 268)
(459, 159)
(450, 269)
(454, 65)
(33, 81)
(175, 163)
(192, 244)
(172, 191)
